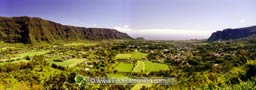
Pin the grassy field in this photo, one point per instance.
(148, 66)
(135, 55)
(138, 55)
(17, 61)
(8, 45)
(69, 63)
(124, 67)
(31, 54)
(139, 86)
(5, 48)
(123, 56)
(81, 44)
(139, 67)
(20, 57)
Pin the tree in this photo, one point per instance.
(71, 77)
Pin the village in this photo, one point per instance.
(132, 58)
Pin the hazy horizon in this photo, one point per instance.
(151, 19)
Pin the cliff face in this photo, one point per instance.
(34, 30)
(229, 34)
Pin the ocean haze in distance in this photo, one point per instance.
(166, 34)
(151, 19)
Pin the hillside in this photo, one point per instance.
(230, 34)
(34, 30)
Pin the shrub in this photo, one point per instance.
(58, 60)
(27, 58)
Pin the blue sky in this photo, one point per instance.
(152, 19)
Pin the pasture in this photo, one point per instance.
(31, 54)
(139, 86)
(68, 63)
(148, 66)
(124, 67)
(21, 57)
(123, 56)
(139, 67)
(136, 55)
(80, 44)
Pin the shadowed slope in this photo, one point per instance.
(229, 34)
(34, 30)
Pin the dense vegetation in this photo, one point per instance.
(195, 64)
(37, 30)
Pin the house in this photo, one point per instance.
(87, 69)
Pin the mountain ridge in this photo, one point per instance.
(35, 30)
(232, 34)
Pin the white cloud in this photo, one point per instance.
(124, 28)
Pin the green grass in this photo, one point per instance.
(5, 48)
(139, 86)
(20, 57)
(69, 63)
(31, 54)
(2, 44)
(138, 55)
(148, 66)
(135, 55)
(81, 44)
(123, 56)
(140, 66)
(124, 67)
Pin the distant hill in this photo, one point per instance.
(34, 30)
(231, 34)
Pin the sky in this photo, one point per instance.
(151, 19)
